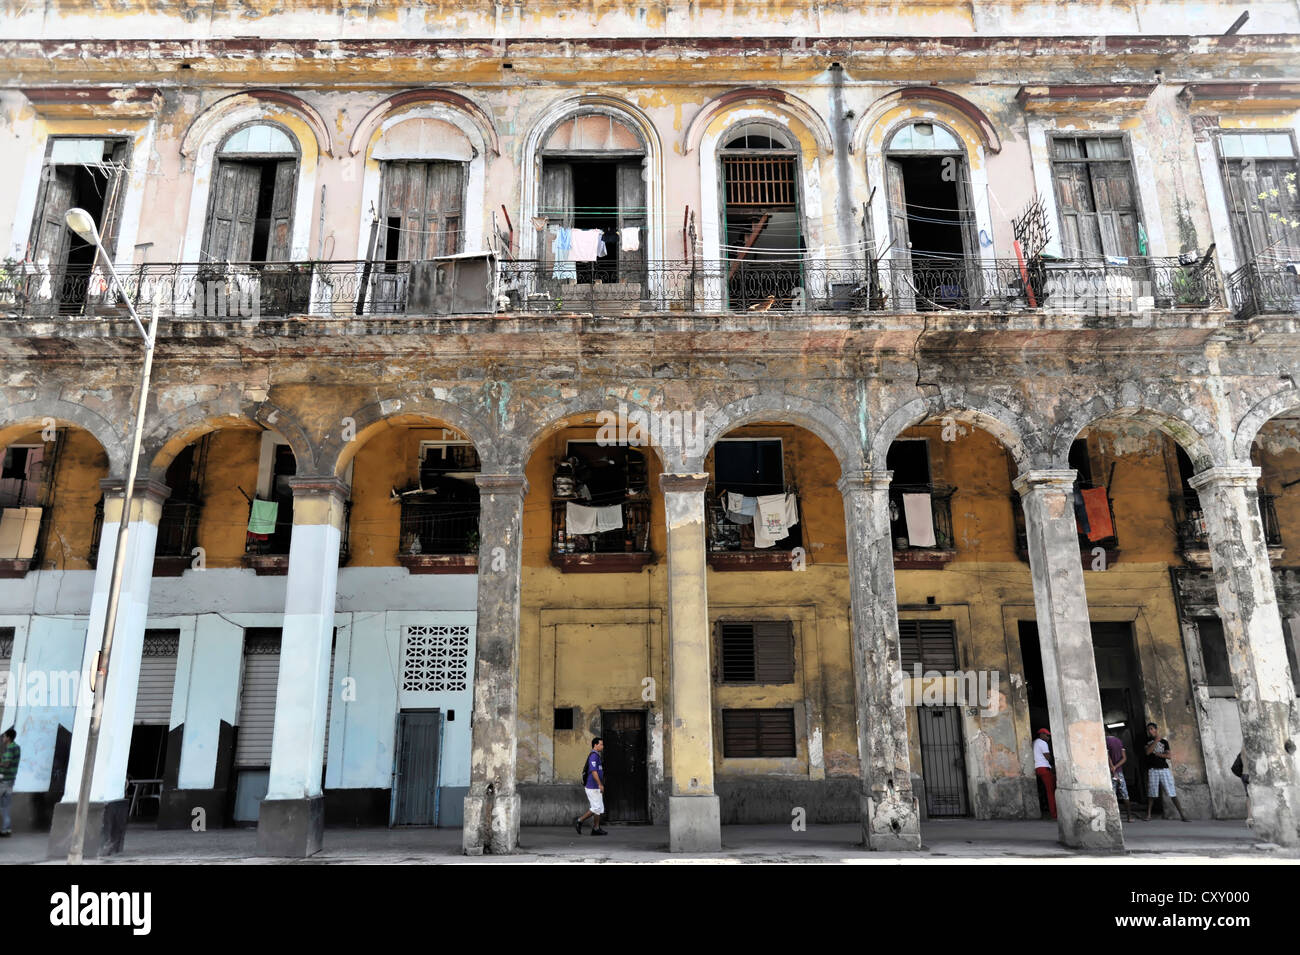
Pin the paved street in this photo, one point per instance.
(946, 841)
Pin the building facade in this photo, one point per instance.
(811, 402)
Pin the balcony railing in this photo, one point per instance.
(1261, 288)
(632, 538)
(1189, 522)
(940, 516)
(277, 545)
(429, 528)
(247, 291)
(725, 537)
(178, 529)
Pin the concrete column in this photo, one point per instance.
(492, 806)
(1252, 630)
(106, 824)
(1086, 808)
(890, 816)
(291, 819)
(694, 817)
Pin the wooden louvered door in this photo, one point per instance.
(1262, 204)
(1096, 197)
(899, 284)
(232, 220)
(632, 215)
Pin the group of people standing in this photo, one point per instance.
(1156, 757)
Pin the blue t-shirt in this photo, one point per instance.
(595, 765)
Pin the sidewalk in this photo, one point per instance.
(944, 841)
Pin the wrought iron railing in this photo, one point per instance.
(278, 543)
(1189, 521)
(178, 528)
(632, 538)
(723, 535)
(940, 515)
(1261, 288)
(248, 291)
(449, 527)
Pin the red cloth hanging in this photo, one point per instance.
(1097, 505)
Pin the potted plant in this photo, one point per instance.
(11, 274)
(1189, 289)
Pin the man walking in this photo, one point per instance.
(9, 756)
(593, 781)
(1043, 768)
(1158, 757)
(1118, 756)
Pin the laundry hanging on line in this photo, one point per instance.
(587, 244)
(629, 239)
(920, 520)
(261, 518)
(776, 514)
(562, 252)
(1097, 504)
(581, 519)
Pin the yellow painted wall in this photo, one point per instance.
(231, 465)
(81, 466)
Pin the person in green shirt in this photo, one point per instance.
(9, 756)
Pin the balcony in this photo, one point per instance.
(478, 285)
(1087, 546)
(439, 537)
(1193, 536)
(1263, 288)
(909, 555)
(269, 556)
(178, 532)
(730, 546)
(23, 530)
(622, 550)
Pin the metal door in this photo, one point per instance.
(415, 773)
(627, 781)
(943, 760)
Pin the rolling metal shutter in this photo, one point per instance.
(329, 699)
(153, 698)
(257, 697)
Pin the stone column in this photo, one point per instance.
(1252, 630)
(890, 816)
(106, 824)
(291, 819)
(492, 806)
(1086, 808)
(694, 818)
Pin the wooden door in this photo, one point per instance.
(51, 236)
(557, 205)
(233, 218)
(415, 773)
(631, 214)
(421, 210)
(280, 239)
(627, 783)
(1259, 196)
(898, 286)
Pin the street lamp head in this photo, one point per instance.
(80, 222)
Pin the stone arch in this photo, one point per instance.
(819, 419)
(401, 103)
(1195, 434)
(1263, 411)
(885, 114)
(556, 417)
(335, 453)
(531, 163)
(168, 437)
(985, 413)
(778, 100)
(226, 113)
(31, 415)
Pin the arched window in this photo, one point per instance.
(931, 217)
(250, 213)
(761, 217)
(593, 198)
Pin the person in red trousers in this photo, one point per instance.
(1043, 767)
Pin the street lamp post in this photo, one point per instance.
(80, 222)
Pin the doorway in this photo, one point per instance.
(627, 792)
(943, 761)
(415, 772)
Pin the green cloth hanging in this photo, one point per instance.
(1142, 240)
(261, 520)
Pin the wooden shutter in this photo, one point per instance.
(278, 247)
(759, 651)
(50, 233)
(1117, 213)
(233, 216)
(930, 643)
(631, 212)
(1096, 197)
(749, 734)
(736, 652)
(115, 195)
(1252, 202)
(425, 199)
(557, 204)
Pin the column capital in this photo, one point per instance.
(673, 483)
(153, 491)
(860, 479)
(1229, 475)
(318, 485)
(1061, 479)
(502, 484)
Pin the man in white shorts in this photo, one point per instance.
(1159, 775)
(593, 780)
